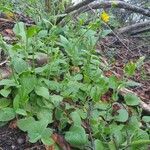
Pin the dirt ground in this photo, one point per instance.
(14, 139)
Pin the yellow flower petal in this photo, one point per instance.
(105, 17)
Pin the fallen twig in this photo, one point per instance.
(131, 28)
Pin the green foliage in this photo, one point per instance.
(131, 99)
(76, 136)
(36, 130)
(68, 94)
(7, 114)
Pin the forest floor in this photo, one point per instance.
(116, 55)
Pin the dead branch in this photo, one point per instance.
(131, 28)
(79, 5)
(139, 31)
(114, 4)
(75, 7)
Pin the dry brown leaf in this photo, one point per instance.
(52, 147)
(13, 124)
(61, 142)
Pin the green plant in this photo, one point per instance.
(69, 90)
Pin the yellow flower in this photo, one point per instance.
(105, 17)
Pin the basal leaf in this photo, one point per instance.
(46, 137)
(21, 112)
(8, 82)
(122, 115)
(7, 114)
(45, 115)
(56, 100)
(131, 99)
(76, 118)
(5, 92)
(25, 124)
(4, 102)
(19, 65)
(98, 145)
(146, 119)
(76, 136)
(19, 29)
(42, 91)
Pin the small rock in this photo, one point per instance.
(20, 140)
(13, 146)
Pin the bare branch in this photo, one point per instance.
(79, 5)
(115, 4)
(75, 7)
(143, 30)
(131, 28)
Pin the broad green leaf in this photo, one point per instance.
(45, 116)
(130, 68)
(146, 119)
(95, 93)
(21, 112)
(78, 77)
(8, 82)
(76, 136)
(76, 118)
(4, 102)
(42, 91)
(19, 29)
(102, 106)
(16, 101)
(5, 92)
(31, 31)
(56, 99)
(46, 137)
(113, 82)
(140, 135)
(37, 132)
(122, 115)
(34, 136)
(7, 114)
(133, 123)
(28, 82)
(25, 124)
(53, 85)
(19, 65)
(131, 99)
(98, 145)
(119, 138)
(82, 113)
(64, 41)
(112, 145)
